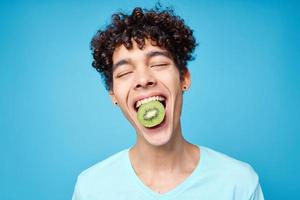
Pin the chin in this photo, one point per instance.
(158, 139)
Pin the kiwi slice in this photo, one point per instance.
(151, 113)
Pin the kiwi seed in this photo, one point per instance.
(151, 113)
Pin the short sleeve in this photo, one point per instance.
(76, 193)
(257, 193)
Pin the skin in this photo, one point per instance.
(161, 157)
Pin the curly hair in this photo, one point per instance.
(162, 27)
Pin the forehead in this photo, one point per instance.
(135, 53)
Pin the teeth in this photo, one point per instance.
(146, 100)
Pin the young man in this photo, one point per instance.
(143, 59)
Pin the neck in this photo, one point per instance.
(176, 155)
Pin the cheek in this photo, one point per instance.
(119, 94)
(121, 90)
(170, 76)
(175, 81)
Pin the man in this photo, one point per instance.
(142, 58)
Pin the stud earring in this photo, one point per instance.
(116, 103)
(184, 88)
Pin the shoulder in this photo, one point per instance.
(104, 170)
(102, 175)
(105, 164)
(236, 173)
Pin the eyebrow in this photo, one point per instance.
(158, 53)
(119, 63)
(148, 55)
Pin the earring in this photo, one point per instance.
(116, 103)
(184, 88)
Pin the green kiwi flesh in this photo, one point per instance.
(151, 114)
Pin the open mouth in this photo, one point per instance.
(151, 111)
(159, 98)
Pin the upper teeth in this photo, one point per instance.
(146, 100)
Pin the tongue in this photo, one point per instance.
(151, 114)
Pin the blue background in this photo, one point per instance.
(57, 119)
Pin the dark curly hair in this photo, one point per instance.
(162, 27)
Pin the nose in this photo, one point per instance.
(144, 79)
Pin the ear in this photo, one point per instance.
(185, 79)
(113, 97)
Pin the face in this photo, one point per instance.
(142, 73)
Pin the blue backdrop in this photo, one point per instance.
(57, 119)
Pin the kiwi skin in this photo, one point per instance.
(151, 114)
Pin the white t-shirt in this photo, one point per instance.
(216, 177)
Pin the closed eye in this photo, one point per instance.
(123, 74)
(159, 65)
